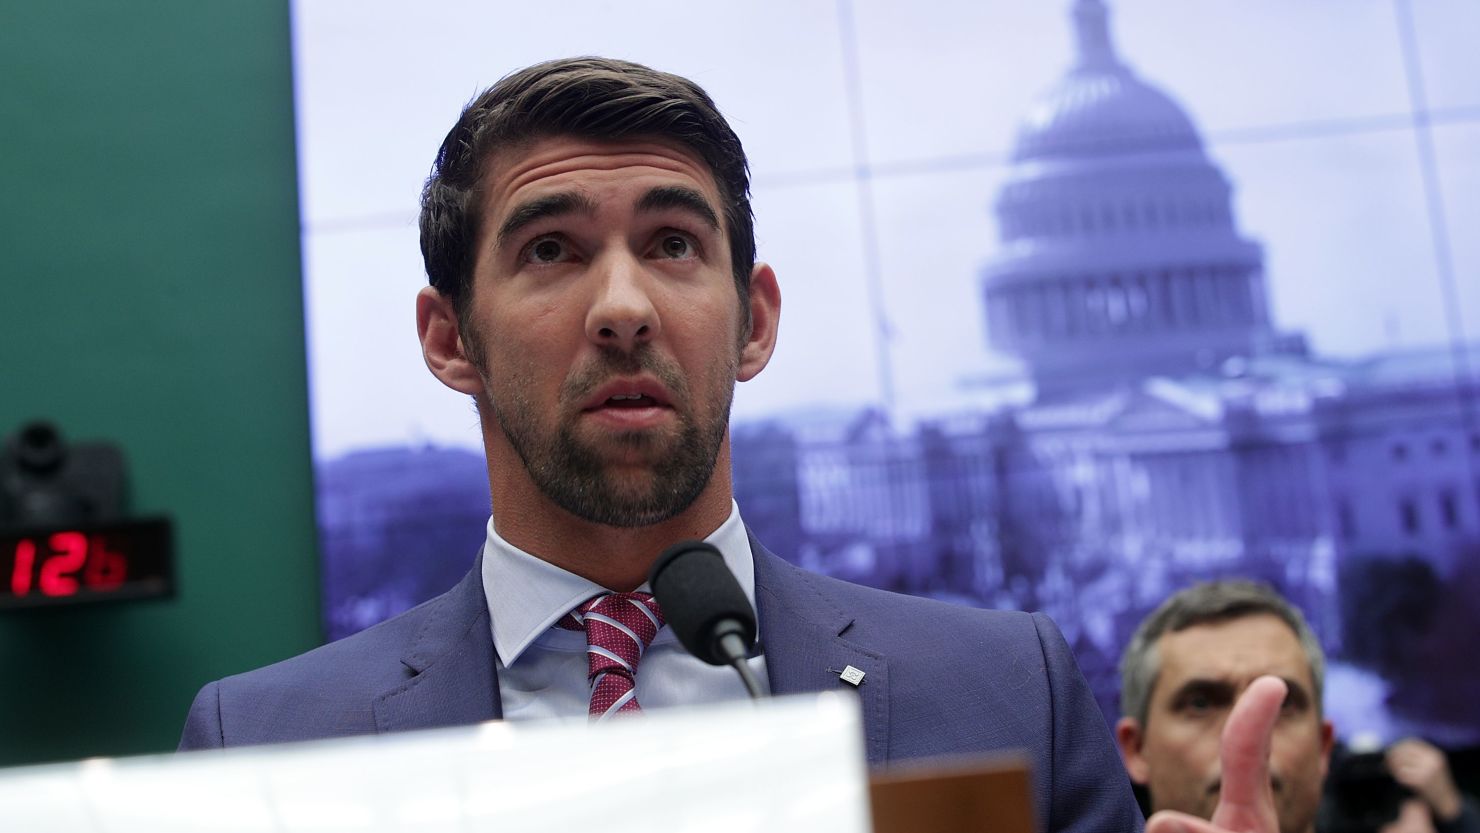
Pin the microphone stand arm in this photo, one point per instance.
(733, 647)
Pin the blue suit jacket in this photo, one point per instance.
(939, 680)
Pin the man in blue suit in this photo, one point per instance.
(589, 241)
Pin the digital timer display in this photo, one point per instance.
(86, 562)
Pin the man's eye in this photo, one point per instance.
(546, 250)
(1200, 702)
(676, 246)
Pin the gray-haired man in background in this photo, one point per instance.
(1187, 665)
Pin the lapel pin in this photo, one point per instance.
(852, 676)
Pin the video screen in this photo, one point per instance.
(1083, 302)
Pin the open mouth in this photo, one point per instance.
(628, 395)
(630, 400)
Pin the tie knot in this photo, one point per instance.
(619, 627)
(613, 618)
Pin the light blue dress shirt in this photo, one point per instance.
(542, 668)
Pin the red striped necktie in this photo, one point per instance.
(619, 627)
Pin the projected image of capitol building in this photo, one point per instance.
(1175, 432)
(1170, 431)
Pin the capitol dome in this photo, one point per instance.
(1103, 110)
(1100, 106)
(1119, 257)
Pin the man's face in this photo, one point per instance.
(1203, 670)
(604, 324)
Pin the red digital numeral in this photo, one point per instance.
(56, 578)
(105, 570)
(25, 560)
(73, 556)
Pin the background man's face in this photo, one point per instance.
(1203, 670)
(605, 323)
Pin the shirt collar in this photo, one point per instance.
(527, 596)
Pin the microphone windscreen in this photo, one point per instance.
(698, 593)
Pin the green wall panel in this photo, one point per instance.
(152, 297)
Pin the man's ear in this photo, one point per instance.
(1129, 737)
(765, 318)
(442, 344)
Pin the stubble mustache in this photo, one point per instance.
(613, 362)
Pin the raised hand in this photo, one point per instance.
(1422, 768)
(1246, 801)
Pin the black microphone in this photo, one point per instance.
(703, 603)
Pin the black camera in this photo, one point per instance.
(1361, 794)
(45, 481)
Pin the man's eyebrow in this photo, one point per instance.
(540, 208)
(665, 197)
(1296, 695)
(1223, 692)
(1217, 689)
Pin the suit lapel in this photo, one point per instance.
(802, 630)
(454, 680)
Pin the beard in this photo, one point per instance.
(573, 473)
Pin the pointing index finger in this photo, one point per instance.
(1246, 802)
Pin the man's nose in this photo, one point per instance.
(622, 314)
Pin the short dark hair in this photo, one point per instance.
(1202, 604)
(590, 98)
